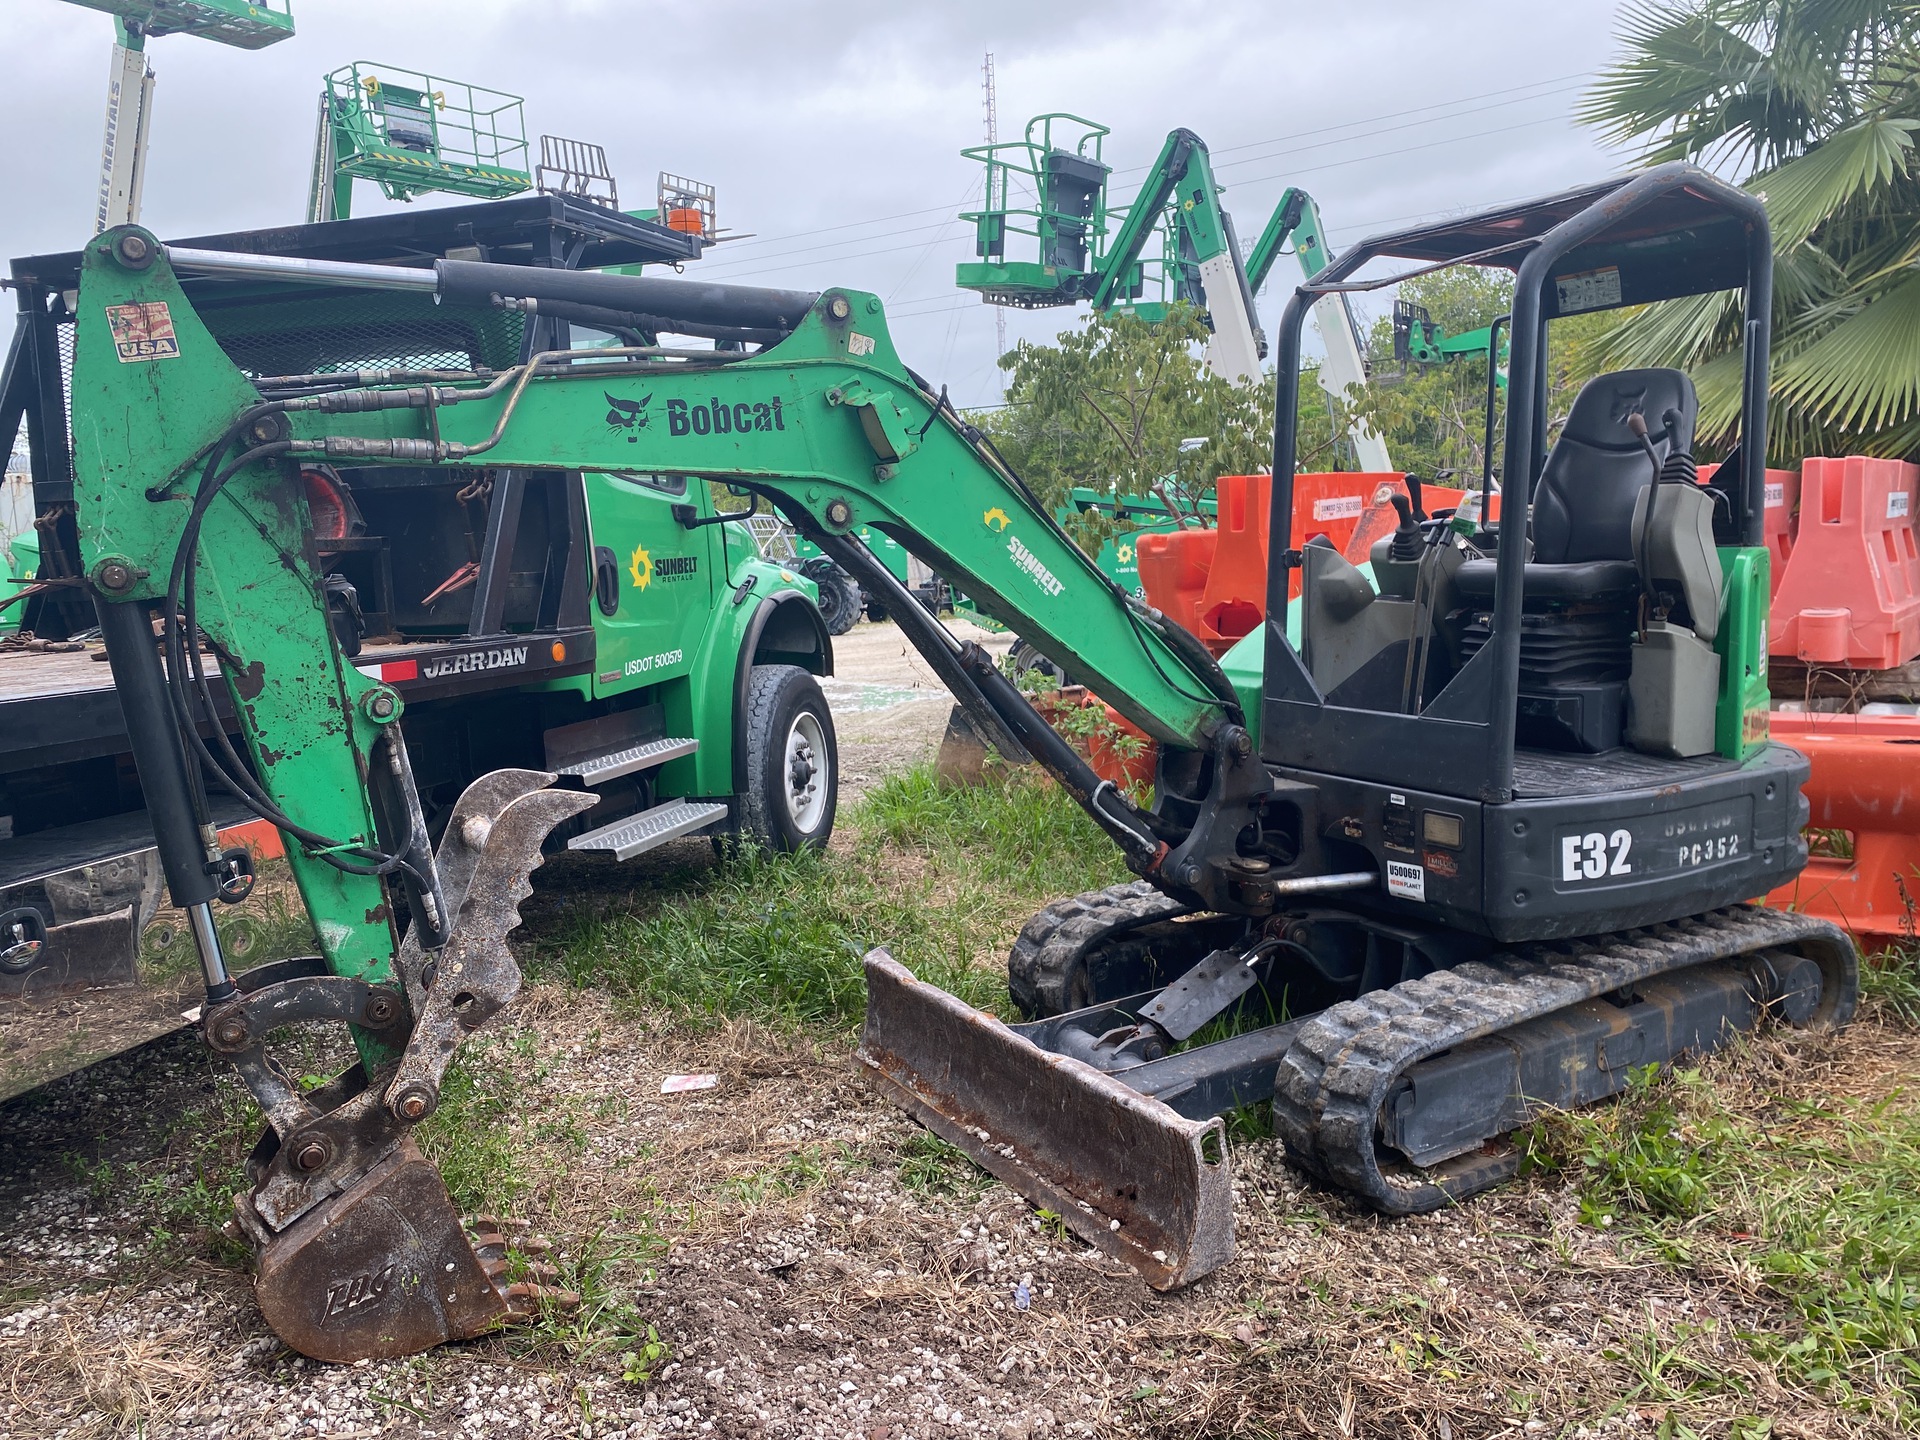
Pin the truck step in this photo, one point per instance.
(637, 834)
(598, 769)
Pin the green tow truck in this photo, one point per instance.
(607, 626)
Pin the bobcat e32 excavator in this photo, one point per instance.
(1481, 844)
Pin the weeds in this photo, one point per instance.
(1890, 981)
(1820, 1201)
(931, 1166)
(805, 1169)
(469, 1137)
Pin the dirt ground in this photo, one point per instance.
(813, 1267)
(889, 708)
(814, 1272)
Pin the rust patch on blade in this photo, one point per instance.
(1127, 1173)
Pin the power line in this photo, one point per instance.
(758, 241)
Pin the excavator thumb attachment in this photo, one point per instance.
(1125, 1172)
(361, 1253)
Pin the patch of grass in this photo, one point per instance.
(804, 1169)
(469, 1137)
(602, 1270)
(941, 876)
(931, 1166)
(1890, 982)
(1819, 1203)
(1021, 836)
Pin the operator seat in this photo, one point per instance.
(1583, 507)
(1581, 602)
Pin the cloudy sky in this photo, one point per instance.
(833, 135)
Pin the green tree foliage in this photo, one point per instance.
(1108, 404)
(1433, 417)
(1815, 104)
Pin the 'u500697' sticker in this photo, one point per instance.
(143, 331)
(1409, 882)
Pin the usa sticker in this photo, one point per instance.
(1409, 882)
(143, 332)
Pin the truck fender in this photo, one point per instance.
(786, 629)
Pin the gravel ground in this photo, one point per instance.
(889, 708)
(815, 1269)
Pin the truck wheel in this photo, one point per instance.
(793, 761)
(1029, 658)
(839, 596)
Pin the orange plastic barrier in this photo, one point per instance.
(1865, 784)
(1214, 582)
(1173, 572)
(1850, 591)
(1782, 506)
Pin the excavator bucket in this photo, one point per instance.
(361, 1253)
(385, 1268)
(1125, 1172)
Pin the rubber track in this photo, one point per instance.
(1337, 1074)
(1041, 962)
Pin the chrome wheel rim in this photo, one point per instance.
(805, 766)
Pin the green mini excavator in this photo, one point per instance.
(1482, 843)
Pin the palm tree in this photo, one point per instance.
(1814, 105)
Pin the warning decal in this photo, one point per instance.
(1339, 507)
(1588, 290)
(143, 331)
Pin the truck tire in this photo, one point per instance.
(840, 602)
(1028, 657)
(793, 761)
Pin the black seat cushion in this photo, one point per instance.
(1556, 584)
(1583, 505)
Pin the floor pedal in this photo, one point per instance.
(637, 834)
(598, 769)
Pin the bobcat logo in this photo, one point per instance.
(627, 415)
(1625, 404)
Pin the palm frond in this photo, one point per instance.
(1852, 164)
(1864, 373)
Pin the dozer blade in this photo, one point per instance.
(1126, 1173)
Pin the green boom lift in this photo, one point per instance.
(123, 153)
(413, 134)
(1199, 261)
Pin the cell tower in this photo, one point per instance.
(993, 136)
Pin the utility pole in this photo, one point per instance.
(993, 136)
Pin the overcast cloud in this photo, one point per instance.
(834, 135)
